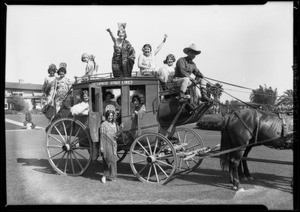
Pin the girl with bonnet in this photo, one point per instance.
(109, 131)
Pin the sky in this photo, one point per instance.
(246, 45)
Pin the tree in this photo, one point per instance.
(264, 95)
(17, 103)
(215, 90)
(286, 98)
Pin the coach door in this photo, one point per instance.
(95, 112)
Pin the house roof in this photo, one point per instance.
(22, 86)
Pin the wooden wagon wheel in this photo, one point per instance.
(186, 140)
(148, 154)
(69, 146)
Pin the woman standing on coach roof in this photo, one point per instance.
(48, 83)
(124, 54)
(62, 86)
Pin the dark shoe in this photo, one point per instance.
(204, 98)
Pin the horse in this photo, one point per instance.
(250, 127)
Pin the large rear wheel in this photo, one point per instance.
(69, 146)
(148, 154)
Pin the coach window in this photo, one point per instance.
(138, 90)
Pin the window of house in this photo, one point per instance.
(18, 93)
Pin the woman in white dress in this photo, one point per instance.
(146, 61)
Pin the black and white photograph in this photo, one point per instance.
(150, 105)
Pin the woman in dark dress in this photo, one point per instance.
(124, 54)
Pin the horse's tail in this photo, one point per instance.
(225, 144)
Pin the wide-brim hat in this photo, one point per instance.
(192, 47)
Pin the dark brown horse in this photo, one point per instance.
(254, 127)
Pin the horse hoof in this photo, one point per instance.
(250, 178)
(244, 179)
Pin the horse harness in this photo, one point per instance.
(282, 116)
(246, 127)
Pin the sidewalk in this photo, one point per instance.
(22, 125)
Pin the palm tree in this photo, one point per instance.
(286, 98)
(264, 95)
(216, 91)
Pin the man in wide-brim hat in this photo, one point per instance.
(183, 70)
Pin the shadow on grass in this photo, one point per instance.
(212, 177)
(220, 178)
(92, 172)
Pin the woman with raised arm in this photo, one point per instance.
(146, 61)
(124, 54)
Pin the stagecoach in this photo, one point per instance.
(158, 144)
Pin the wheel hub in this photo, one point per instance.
(66, 147)
(151, 159)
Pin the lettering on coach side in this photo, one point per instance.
(100, 83)
(115, 82)
(127, 82)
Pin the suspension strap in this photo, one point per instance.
(284, 127)
(244, 124)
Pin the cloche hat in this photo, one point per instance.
(192, 47)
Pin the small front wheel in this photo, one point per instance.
(148, 155)
(186, 141)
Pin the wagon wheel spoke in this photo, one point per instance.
(66, 139)
(77, 160)
(53, 156)
(72, 165)
(162, 169)
(61, 159)
(169, 165)
(80, 155)
(156, 141)
(81, 147)
(71, 132)
(60, 134)
(78, 141)
(139, 153)
(149, 145)
(55, 139)
(149, 173)
(54, 146)
(143, 169)
(157, 179)
(143, 148)
(66, 164)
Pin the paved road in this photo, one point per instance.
(31, 180)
